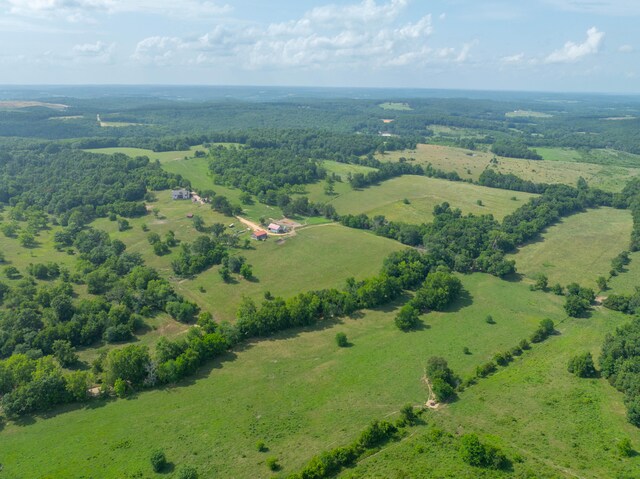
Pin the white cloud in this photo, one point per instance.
(572, 52)
(513, 59)
(99, 52)
(365, 35)
(626, 49)
(76, 11)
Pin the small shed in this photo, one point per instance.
(181, 194)
(275, 228)
(260, 235)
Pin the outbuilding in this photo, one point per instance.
(259, 235)
(275, 228)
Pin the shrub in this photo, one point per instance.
(407, 414)
(261, 446)
(272, 463)
(407, 318)
(484, 370)
(341, 340)
(188, 472)
(442, 390)
(624, 447)
(158, 461)
(476, 454)
(120, 388)
(489, 319)
(582, 366)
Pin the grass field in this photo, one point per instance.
(395, 106)
(470, 164)
(526, 114)
(598, 156)
(579, 248)
(626, 283)
(424, 194)
(162, 156)
(533, 409)
(301, 394)
(316, 257)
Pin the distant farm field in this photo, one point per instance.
(162, 156)
(578, 249)
(527, 114)
(470, 164)
(395, 106)
(301, 394)
(423, 194)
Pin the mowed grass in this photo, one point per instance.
(298, 392)
(533, 409)
(470, 165)
(319, 256)
(162, 156)
(424, 194)
(578, 249)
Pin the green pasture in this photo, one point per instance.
(162, 156)
(424, 194)
(549, 422)
(395, 106)
(527, 114)
(577, 249)
(470, 164)
(598, 156)
(302, 394)
(626, 282)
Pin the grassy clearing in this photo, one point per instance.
(424, 194)
(343, 169)
(470, 164)
(533, 409)
(298, 392)
(162, 156)
(316, 257)
(117, 124)
(600, 156)
(395, 106)
(626, 283)
(527, 114)
(580, 248)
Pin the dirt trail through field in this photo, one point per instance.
(431, 402)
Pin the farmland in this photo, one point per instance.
(298, 391)
(577, 249)
(180, 350)
(423, 194)
(470, 164)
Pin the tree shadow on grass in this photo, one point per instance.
(513, 277)
(464, 300)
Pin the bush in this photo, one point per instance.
(407, 318)
(188, 472)
(120, 388)
(408, 415)
(442, 390)
(582, 366)
(341, 340)
(158, 461)
(484, 370)
(272, 463)
(261, 446)
(624, 447)
(476, 454)
(489, 319)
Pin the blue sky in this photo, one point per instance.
(541, 45)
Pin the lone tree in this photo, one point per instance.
(407, 318)
(341, 340)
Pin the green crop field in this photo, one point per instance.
(470, 164)
(578, 249)
(423, 194)
(301, 394)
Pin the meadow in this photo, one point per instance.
(563, 167)
(161, 156)
(578, 248)
(301, 394)
(423, 194)
(629, 280)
